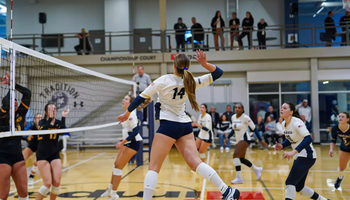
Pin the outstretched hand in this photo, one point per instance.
(6, 79)
(278, 146)
(65, 113)
(201, 57)
(123, 117)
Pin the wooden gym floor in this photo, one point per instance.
(87, 174)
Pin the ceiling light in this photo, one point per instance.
(325, 82)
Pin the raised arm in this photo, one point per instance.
(27, 95)
(5, 105)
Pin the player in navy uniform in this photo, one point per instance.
(240, 124)
(49, 162)
(128, 148)
(175, 126)
(303, 153)
(32, 147)
(205, 134)
(11, 158)
(341, 130)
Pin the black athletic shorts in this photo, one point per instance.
(174, 130)
(134, 145)
(47, 157)
(33, 144)
(11, 158)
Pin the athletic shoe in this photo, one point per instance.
(338, 182)
(237, 180)
(257, 172)
(222, 149)
(107, 192)
(30, 181)
(227, 149)
(231, 194)
(113, 197)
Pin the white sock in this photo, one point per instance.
(237, 163)
(210, 174)
(238, 174)
(22, 198)
(290, 192)
(150, 184)
(110, 186)
(34, 169)
(254, 167)
(114, 192)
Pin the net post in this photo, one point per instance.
(139, 154)
(12, 89)
(150, 127)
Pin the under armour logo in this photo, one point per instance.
(81, 104)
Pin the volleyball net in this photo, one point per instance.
(94, 99)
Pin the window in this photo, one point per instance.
(263, 87)
(296, 98)
(330, 105)
(262, 101)
(295, 87)
(333, 86)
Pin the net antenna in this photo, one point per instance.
(346, 5)
(94, 99)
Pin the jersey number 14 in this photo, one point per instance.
(181, 93)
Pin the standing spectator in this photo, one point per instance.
(260, 125)
(197, 33)
(280, 130)
(307, 124)
(261, 113)
(83, 36)
(270, 131)
(234, 25)
(180, 30)
(224, 128)
(344, 22)
(247, 25)
(271, 113)
(228, 113)
(214, 116)
(262, 34)
(331, 30)
(218, 25)
(304, 109)
(142, 80)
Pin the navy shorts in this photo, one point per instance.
(174, 130)
(344, 148)
(134, 145)
(298, 173)
(11, 158)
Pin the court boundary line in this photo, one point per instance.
(280, 188)
(205, 180)
(67, 168)
(266, 189)
(272, 170)
(135, 168)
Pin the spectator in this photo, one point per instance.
(261, 113)
(307, 124)
(228, 113)
(270, 131)
(234, 25)
(280, 130)
(344, 22)
(331, 30)
(197, 33)
(271, 113)
(262, 34)
(180, 30)
(83, 40)
(304, 109)
(142, 81)
(215, 117)
(260, 125)
(224, 128)
(218, 25)
(247, 25)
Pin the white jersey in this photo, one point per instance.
(172, 95)
(295, 133)
(130, 124)
(206, 122)
(240, 126)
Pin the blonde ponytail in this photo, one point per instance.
(190, 89)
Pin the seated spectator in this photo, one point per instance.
(224, 128)
(83, 36)
(261, 127)
(307, 124)
(261, 113)
(280, 130)
(270, 131)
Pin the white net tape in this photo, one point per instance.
(346, 5)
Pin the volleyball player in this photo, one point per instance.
(11, 157)
(342, 130)
(175, 126)
(303, 153)
(128, 148)
(205, 134)
(240, 123)
(49, 162)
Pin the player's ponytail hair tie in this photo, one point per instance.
(185, 68)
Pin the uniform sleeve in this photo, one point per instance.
(250, 123)
(133, 120)
(300, 127)
(5, 105)
(208, 122)
(203, 80)
(44, 124)
(153, 88)
(27, 95)
(334, 135)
